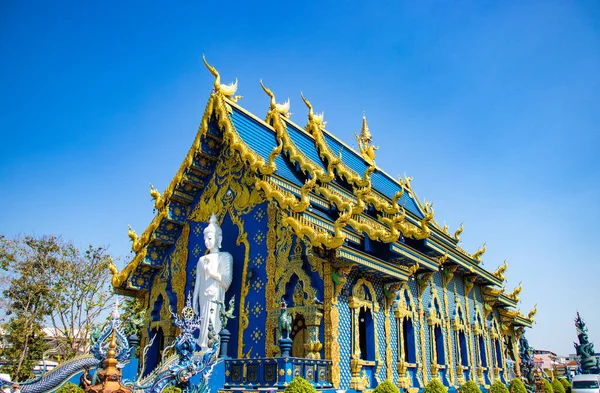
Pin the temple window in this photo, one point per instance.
(439, 344)
(406, 329)
(366, 334)
(408, 340)
(462, 349)
(364, 307)
(436, 335)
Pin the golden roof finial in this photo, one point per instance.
(227, 90)
(365, 133)
(364, 142)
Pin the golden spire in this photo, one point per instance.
(364, 142)
(365, 133)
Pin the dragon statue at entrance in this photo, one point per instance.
(53, 379)
(178, 369)
(585, 350)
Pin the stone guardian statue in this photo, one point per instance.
(213, 278)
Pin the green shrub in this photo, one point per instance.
(566, 384)
(171, 389)
(557, 386)
(70, 388)
(386, 387)
(435, 386)
(299, 385)
(498, 387)
(548, 387)
(516, 386)
(469, 387)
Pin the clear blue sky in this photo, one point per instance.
(492, 106)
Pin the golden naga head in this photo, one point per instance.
(515, 293)
(315, 119)
(479, 253)
(227, 90)
(282, 109)
(131, 233)
(532, 313)
(499, 273)
(460, 230)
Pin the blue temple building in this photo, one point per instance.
(377, 290)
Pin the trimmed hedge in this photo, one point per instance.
(386, 387)
(435, 386)
(566, 384)
(498, 387)
(300, 385)
(548, 387)
(70, 388)
(557, 386)
(171, 389)
(516, 386)
(469, 387)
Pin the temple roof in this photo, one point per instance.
(351, 202)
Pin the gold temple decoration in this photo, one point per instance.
(515, 293)
(364, 142)
(532, 313)
(282, 109)
(109, 377)
(155, 196)
(228, 90)
(479, 253)
(135, 243)
(460, 230)
(499, 273)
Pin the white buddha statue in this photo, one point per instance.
(213, 277)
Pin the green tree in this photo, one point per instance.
(81, 294)
(548, 387)
(300, 385)
(498, 387)
(557, 386)
(386, 387)
(435, 386)
(48, 281)
(516, 386)
(469, 387)
(70, 387)
(26, 289)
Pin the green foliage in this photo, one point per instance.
(469, 387)
(566, 384)
(299, 385)
(498, 387)
(44, 279)
(516, 386)
(548, 387)
(70, 388)
(435, 386)
(25, 346)
(171, 389)
(386, 387)
(557, 386)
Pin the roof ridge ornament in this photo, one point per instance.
(499, 273)
(282, 109)
(514, 295)
(531, 313)
(227, 90)
(479, 253)
(315, 119)
(364, 142)
(459, 230)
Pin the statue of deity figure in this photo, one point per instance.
(213, 277)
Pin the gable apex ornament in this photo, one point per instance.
(364, 140)
(227, 90)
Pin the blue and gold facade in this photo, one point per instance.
(376, 288)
